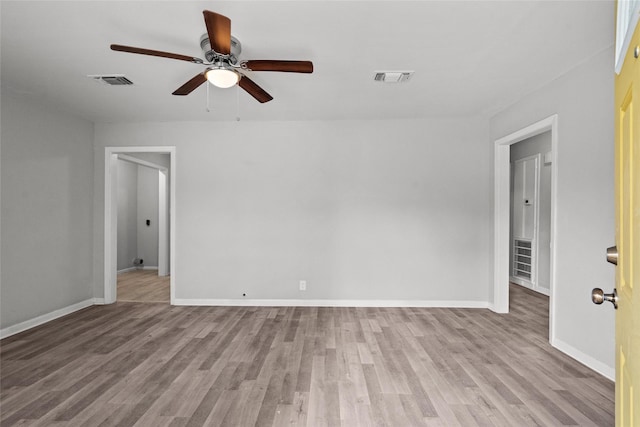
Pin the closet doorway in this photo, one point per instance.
(530, 236)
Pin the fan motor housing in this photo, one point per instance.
(210, 55)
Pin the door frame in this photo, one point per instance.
(502, 212)
(111, 215)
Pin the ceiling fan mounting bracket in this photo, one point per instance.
(212, 56)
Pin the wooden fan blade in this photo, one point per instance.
(286, 66)
(191, 85)
(254, 90)
(219, 30)
(150, 52)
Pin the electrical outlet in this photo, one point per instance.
(303, 285)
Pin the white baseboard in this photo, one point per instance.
(604, 370)
(331, 303)
(98, 301)
(36, 321)
(492, 306)
(150, 267)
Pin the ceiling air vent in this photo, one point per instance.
(112, 80)
(392, 76)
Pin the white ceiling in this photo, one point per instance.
(469, 57)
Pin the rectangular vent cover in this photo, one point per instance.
(392, 76)
(112, 80)
(522, 259)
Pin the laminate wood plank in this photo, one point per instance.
(332, 402)
(267, 335)
(288, 388)
(228, 406)
(306, 361)
(282, 416)
(153, 364)
(269, 404)
(317, 406)
(588, 410)
(351, 371)
(105, 414)
(390, 352)
(493, 395)
(442, 394)
(527, 416)
(484, 409)
(533, 390)
(143, 286)
(300, 409)
(590, 390)
(537, 403)
(421, 398)
(200, 415)
(465, 417)
(198, 385)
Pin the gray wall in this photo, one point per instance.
(127, 214)
(147, 209)
(137, 202)
(47, 216)
(397, 209)
(583, 100)
(540, 144)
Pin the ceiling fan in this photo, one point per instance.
(221, 51)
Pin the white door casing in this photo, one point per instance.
(110, 216)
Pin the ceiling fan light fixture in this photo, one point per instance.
(222, 77)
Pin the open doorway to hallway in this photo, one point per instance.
(142, 258)
(516, 239)
(139, 224)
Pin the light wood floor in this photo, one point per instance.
(158, 365)
(143, 286)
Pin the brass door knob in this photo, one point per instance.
(598, 297)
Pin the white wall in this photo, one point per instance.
(583, 100)
(47, 216)
(127, 214)
(147, 209)
(137, 202)
(397, 209)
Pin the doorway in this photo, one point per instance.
(164, 258)
(503, 267)
(530, 218)
(142, 202)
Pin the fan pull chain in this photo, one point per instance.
(208, 110)
(237, 103)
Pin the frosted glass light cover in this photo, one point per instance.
(222, 77)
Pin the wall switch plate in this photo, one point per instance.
(303, 285)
